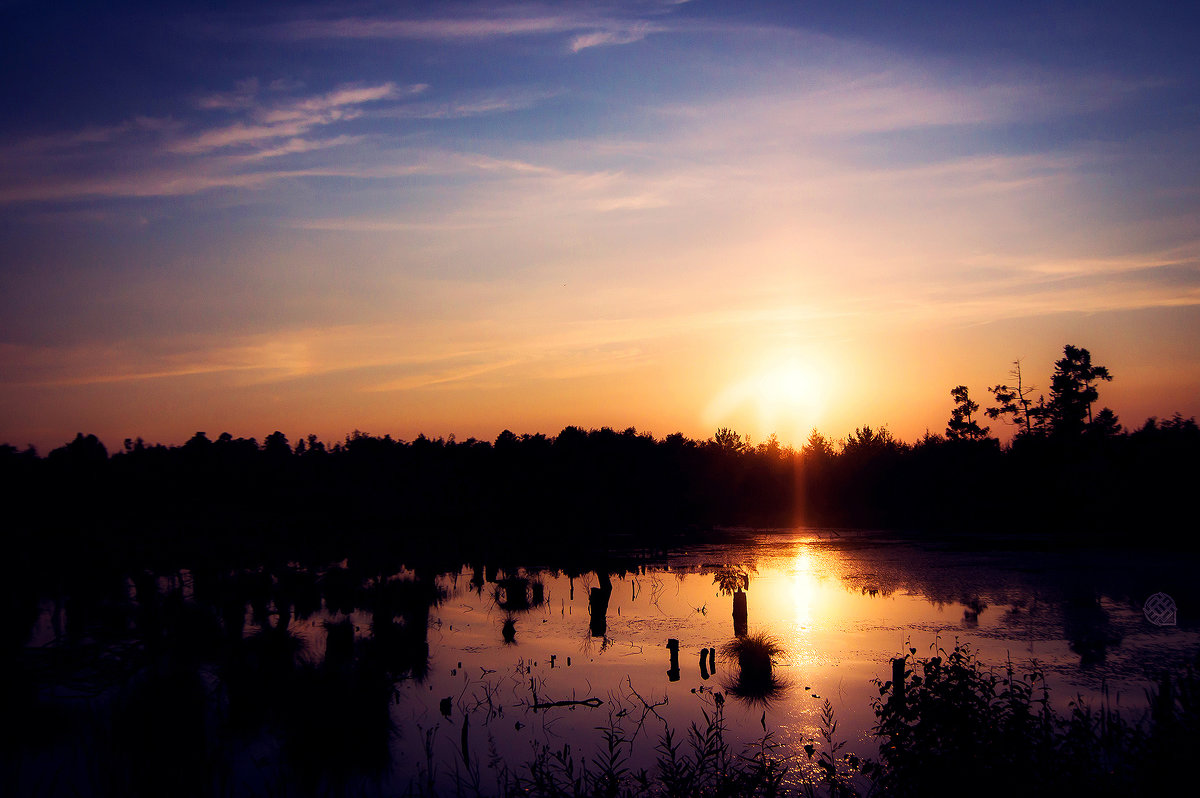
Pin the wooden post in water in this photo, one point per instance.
(739, 614)
(898, 682)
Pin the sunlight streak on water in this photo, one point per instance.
(804, 588)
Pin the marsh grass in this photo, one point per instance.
(755, 680)
(956, 721)
(701, 762)
(955, 725)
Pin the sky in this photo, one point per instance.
(456, 218)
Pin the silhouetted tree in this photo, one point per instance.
(200, 442)
(772, 448)
(85, 450)
(1015, 404)
(1106, 424)
(315, 447)
(1073, 390)
(276, 446)
(817, 449)
(729, 441)
(866, 441)
(506, 440)
(962, 425)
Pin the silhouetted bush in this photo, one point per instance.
(954, 721)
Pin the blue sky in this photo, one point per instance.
(461, 217)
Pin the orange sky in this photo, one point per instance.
(668, 217)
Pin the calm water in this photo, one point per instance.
(399, 680)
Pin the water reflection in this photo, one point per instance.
(756, 681)
(333, 673)
(598, 598)
(734, 581)
(805, 588)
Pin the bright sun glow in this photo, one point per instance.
(785, 397)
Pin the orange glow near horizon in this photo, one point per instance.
(835, 237)
(691, 376)
(785, 395)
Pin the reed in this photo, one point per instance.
(755, 680)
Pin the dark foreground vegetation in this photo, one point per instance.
(1069, 472)
(949, 724)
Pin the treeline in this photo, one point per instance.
(1067, 472)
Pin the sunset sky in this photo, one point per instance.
(460, 217)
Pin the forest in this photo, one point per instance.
(1071, 472)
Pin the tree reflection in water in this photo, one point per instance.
(166, 687)
(291, 679)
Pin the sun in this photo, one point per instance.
(784, 396)
(787, 387)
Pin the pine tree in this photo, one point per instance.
(1073, 390)
(962, 425)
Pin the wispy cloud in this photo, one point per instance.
(244, 95)
(627, 34)
(409, 356)
(289, 119)
(372, 225)
(145, 157)
(195, 176)
(300, 145)
(442, 373)
(423, 353)
(586, 26)
(495, 102)
(87, 138)
(444, 28)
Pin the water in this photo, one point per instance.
(402, 679)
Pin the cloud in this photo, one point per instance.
(148, 183)
(197, 175)
(591, 28)
(421, 354)
(607, 38)
(306, 107)
(287, 120)
(637, 202)
(300, 145)
(443, 29)
(424, 352)
(86, 138)
(244, 95)
(240, 133)
(370, 225)
(1183, 254)
(498, 102)
(439, 373)
(70, 164)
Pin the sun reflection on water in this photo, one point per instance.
(804, 589)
